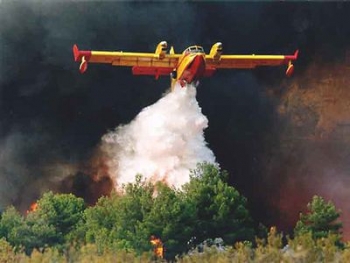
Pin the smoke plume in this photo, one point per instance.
(313, 151)
(163, 143)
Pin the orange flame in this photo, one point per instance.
(33, 207)
(158, 247)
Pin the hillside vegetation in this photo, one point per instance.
(206, 221)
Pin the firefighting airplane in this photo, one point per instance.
(184, 68)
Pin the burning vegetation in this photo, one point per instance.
(33, 207)
(158, 248)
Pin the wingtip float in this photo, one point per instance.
(187, 67)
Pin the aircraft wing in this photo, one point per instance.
(251, 61)
(157, 63)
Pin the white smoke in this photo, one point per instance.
(163, 143)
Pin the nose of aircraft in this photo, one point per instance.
(198, 66)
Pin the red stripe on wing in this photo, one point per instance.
(209, 72)
(153, 71)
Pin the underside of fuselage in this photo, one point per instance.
(190, 69)
(194, 70)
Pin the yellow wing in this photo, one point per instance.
(245, 61)
(157, 63)
(215, 60)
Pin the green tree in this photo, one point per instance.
(11, 220)
(321, 219)
(206, 207)
(134, 206)
(100, 220)
(61, 211)
(220, 211)
(35, 233)
(127, 221)
(53, 223)
(21, 233)
(171, 219)
(118, 221)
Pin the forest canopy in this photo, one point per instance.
(188, 221)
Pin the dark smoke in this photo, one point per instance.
(52, 118)
(313, 150)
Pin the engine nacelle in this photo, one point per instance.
(216, 51)
(161, 50)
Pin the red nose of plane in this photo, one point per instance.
(199, 66)
(195, 69)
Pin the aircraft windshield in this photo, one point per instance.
(194, 49)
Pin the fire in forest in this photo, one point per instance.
(33, 207)
(158, 248)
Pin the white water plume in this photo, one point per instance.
(163, 143)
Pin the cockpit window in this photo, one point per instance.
(194, 49)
